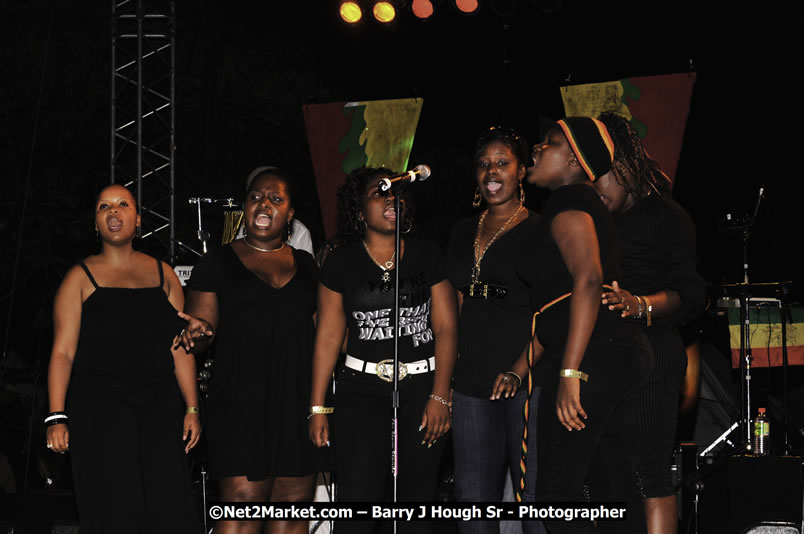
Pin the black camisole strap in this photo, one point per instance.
(89, 274)
(161, 273)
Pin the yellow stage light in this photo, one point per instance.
(350, 12)
(384, 12)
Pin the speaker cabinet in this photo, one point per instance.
(744, 493)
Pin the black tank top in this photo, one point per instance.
(126, 334)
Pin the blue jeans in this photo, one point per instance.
(487, 437)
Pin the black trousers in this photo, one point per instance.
(657, 413)
(129, 466)
(601, 455)
(362, 437)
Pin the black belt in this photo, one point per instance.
(479, 290)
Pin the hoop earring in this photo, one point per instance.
(477, 199)
(521, 193)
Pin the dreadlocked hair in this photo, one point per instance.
(630, 154)
(350, 225)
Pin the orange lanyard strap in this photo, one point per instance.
(526, 411)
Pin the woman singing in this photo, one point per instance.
(594, 363)
(116, 389)
(356, 295)
(664, 290)
(490, 256)
(258, 297)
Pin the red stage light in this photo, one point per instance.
(423, 9)
(467, 6)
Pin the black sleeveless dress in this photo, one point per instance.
(126, 415)
(259, 393)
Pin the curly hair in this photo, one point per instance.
(630, 154)
(350, 226)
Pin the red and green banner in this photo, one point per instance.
(346, 135)
(657, 106)
(765, 334)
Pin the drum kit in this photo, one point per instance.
(746, 296)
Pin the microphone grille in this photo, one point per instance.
(424, 171)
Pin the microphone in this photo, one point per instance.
(419, 172)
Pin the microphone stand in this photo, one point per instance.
(394, 188)
(745, 325)
(784, 310)
(395, 392)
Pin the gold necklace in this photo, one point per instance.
(386, 276)
(480, 253)
(255, 247)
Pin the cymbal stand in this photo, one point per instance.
(202, 234)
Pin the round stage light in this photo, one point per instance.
(384, 12)
(467, 6)
(422, 9)
(350, 12)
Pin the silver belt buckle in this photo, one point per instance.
(385, 368)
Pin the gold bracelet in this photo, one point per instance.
(321, 409)
(649, 310)
(191, 409)
(573, 373)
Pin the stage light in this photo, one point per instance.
(350, 12)
(467, 6)
(384, 12)
(422, 9)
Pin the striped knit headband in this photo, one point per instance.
(591, 143)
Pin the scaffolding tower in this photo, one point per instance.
(143, 116)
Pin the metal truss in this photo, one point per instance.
(143, 115)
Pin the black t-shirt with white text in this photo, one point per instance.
(368, 302)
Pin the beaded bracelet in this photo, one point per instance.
(441, 400)
(641, 308)
(650, 310)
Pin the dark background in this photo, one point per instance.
(244, 70)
